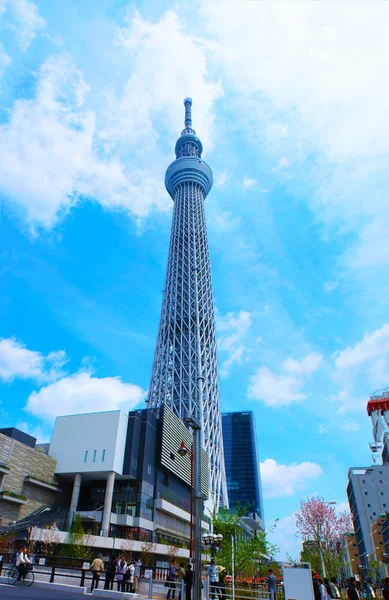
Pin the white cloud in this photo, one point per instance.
(286, 387)
(82, 393)
(64, 150)
(350, 426)
(17, 362)
(330, 286)
(308, 80)
(221, 178)
(50, 140)
(285, 538)
(26, 20)
(279, 481)
(306, 367)
(232, 329)
(362, 368)
(249, 183)
(5, 60)
(162, 79)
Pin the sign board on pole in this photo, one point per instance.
(42, 562)
(148, 573)
(85, 565)
(297, 581)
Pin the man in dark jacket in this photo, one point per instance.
(352, 592)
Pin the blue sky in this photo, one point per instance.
(289, 100)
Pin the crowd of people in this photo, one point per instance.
(126, 573)
(325, 589)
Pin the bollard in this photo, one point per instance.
(182, 589)
(52, 575)
(82, 582)
(150, 587)
(1, 565)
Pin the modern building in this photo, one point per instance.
(368, 496)
(124, 476)
(185, 372)
(241, 462)
(350, 549)
(379, 551)
(27, 481)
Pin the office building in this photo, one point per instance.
(241, 462)
(185, 370)
(368, 496)
(27, 481)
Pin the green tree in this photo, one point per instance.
(80, 543)
(249, 550)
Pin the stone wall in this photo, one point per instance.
(24, 461)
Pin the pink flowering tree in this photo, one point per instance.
(323, 530)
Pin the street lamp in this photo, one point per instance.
(212, 541)
(195, 483)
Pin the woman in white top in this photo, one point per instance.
(22, 562)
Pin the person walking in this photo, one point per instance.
(189, 582)
(172, 578)
(129, 577)
(272, 584)
(97, 567)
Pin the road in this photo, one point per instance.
(40, 591)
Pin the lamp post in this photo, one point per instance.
(198, 501)
(212, 541)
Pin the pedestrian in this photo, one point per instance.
(222, 582)
(352, 592)
(322, 589)
(120, 574)
(129, 577)
(172, 578)
(385, 589)
(335, 593)
(180, 577)
(272, 584)
(110, 570)
(97, 567)
(316, 588)
(138, 564)
(189, 582)
(213, 573)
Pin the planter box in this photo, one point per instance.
(48, 486)
(4, 496)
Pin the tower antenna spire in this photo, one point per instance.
(188, 113)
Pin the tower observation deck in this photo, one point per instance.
(185, 372)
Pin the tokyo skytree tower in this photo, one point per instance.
(185, 374)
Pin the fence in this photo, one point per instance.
(151, 583)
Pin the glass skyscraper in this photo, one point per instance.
(241, 462)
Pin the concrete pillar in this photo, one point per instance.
(74, 500)
(107, 504)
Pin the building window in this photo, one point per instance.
(365, 493)
(369, 505)
(380, 480)
(86, 456)
(103, 456)
(363, 481)
(384, 505)
(149, 469)
(94, 455)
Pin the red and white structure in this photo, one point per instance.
(378, 411)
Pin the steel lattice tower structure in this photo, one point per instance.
(185, 372)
